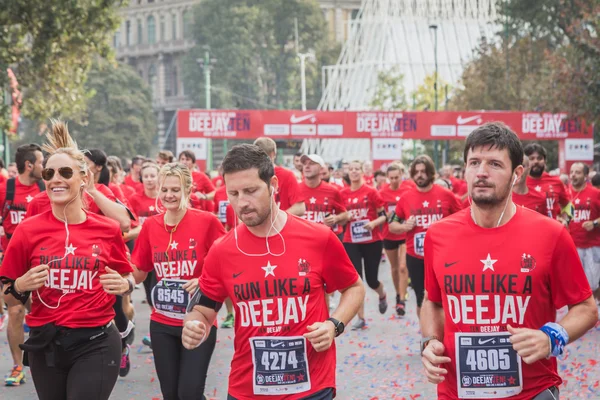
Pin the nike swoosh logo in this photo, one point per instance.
(236, 275)
(460, 120)
(295, 120)
(43, 248)
(277, 344)
(485, 341)
(449, 264)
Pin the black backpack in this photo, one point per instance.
(10, 195)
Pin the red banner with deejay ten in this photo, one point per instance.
(293, 124)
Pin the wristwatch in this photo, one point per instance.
(339, 326)
(595, 223)
(425, 341)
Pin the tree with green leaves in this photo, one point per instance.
(119, 117)
(253, 42)
(389, 93)
(50, 46)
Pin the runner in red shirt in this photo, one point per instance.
(418, 209)
(276, 267)
(287, 195)
(584, 225)
(27, 185)
(395, 244)
(74, 263)
(557, 197)
(133, 178)
(171, 246)
(203, 189)
(164, 157)
(493, 287)
(524, 197)
(144, 204)
(221, 202)
(363, 236)
(323, 202)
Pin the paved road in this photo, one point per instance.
(379, 363)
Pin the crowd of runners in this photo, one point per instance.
(491, 249)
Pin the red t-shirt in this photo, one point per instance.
(221, 202)
(92, 207)
(533, 200)
(586, 204)
(128, 191)
(459, 186)
(201, 183)
(39, 204)
(179, 257)
(554, 191)
(322, 200)
(287, 192)
(275, 299)
(488, 278)
(230, 217)
(137, 186)
(18, 207)
(362, 204)
(391, 197)
(368, 179)
(144, 206)
(427, 208)
(118, 192)
(218, 181)
(93, 245)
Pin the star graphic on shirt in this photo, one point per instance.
(355, 200)
(511, 380)
(70, 249)
(300, 377)
(174, 246)
(488, 263)
(151, 208)
(425, 203)
(29, 198)
(269, 269)
(313, 200)
(577, 201)
(538, 188)
(397, 198)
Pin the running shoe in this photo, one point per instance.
(228, 323)
(147, 341)
(359, 325)
(125, 362)
(16, 377)
(383, 305)
(3, 321)
(400, 306)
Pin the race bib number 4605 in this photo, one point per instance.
(280, 365)
(487, 366)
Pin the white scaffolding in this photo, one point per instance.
(396, 35)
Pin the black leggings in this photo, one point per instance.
(371, 254)
(89, 371)
(416, 272)
(181, 372)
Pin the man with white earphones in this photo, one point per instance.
(276, 268)
(493, 286)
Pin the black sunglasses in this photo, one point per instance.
(65, 172)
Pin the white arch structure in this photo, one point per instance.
(396, 34)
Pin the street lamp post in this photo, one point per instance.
(302, 57)
(435, 88)
(207, 65)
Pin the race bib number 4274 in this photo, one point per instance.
(280, 365)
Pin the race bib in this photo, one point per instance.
(170, 299)
(223, 211)
(280, 365)
(358, 233)
(419, 243)
(487, 366)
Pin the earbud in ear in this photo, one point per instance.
(82, 185)
(515, 181)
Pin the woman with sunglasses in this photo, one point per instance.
(174, 245)
(73, 264)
